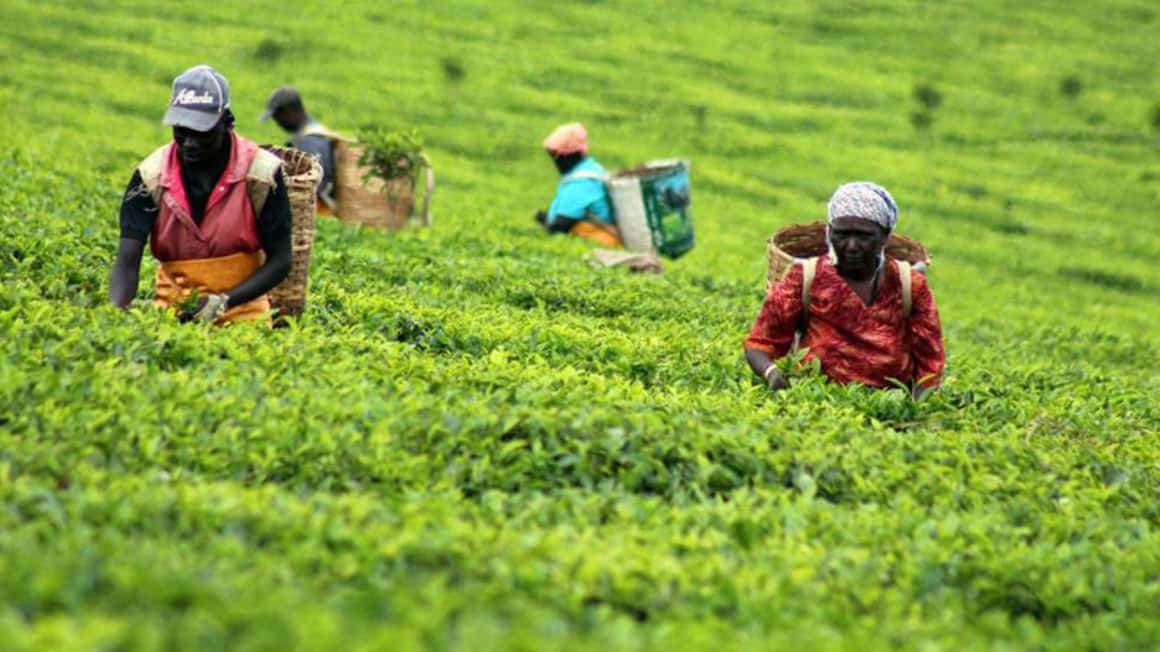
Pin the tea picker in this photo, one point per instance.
(214, 209)
(838, 292)
(285, 107)
(645, 209)
(581, 205)
(355, 187)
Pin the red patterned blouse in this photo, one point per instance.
(855, 342)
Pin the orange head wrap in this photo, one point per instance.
(571, 138)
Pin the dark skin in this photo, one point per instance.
(197, 149)
(859, 244)
(564, 163)
(291, 118)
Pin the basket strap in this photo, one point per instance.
(429, 173)
(150, 171)
(259, 192)
(904, 276)
(316, 129)
(809, 271)
(260, 178)
(585, 174)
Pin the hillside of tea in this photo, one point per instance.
(473, 440)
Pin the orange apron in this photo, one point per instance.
(602, 234)
(177, 279)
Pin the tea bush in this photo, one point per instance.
(473, 440)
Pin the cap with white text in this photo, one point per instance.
(201, 96)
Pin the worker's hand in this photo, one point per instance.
(541, 218)
(208, 309)
(215, 306)
(775, 379)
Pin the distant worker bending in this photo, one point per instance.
(214, 209)
(859, 325)
(307, 134)
(581, 205)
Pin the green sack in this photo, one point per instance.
(652, 207)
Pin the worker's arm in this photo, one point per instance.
(763, 365)
(126, 272)
(138, 213)
(558, 224)
(274, 230)
(773, 331)
(561, 224)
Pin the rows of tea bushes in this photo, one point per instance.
(473, 440)
(455, 446)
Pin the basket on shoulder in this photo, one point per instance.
(801, 241)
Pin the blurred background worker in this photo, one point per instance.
(581, 205)
(307, 134)
(214, 208)
(866, 319)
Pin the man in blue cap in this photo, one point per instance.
(213, 207)
(307, 134)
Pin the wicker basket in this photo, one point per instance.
(374, 202)
(302, 173)
(808, 240)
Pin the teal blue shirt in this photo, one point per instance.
(578, 197)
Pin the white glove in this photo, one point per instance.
(215, 306)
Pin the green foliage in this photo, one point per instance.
(269, 51)
(472, 440)
(453, 69)
(921, 120)
(927, 96)
(1071, 86)
(390, 155)
(189, 303)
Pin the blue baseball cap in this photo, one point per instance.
(201, 96)
(283, 97)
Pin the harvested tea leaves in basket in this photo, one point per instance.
(390, 155)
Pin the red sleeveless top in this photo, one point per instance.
(229, 224)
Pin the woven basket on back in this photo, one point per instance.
(374, 202)
(302, 173)
(809, 240)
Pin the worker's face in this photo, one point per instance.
(198, 146)
(563, 162)
(289, 120)
(858, 244)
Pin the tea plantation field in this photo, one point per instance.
(474, 441)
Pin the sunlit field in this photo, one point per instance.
(474, 440)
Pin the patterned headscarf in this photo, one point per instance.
(865, 200)
(571, 138)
